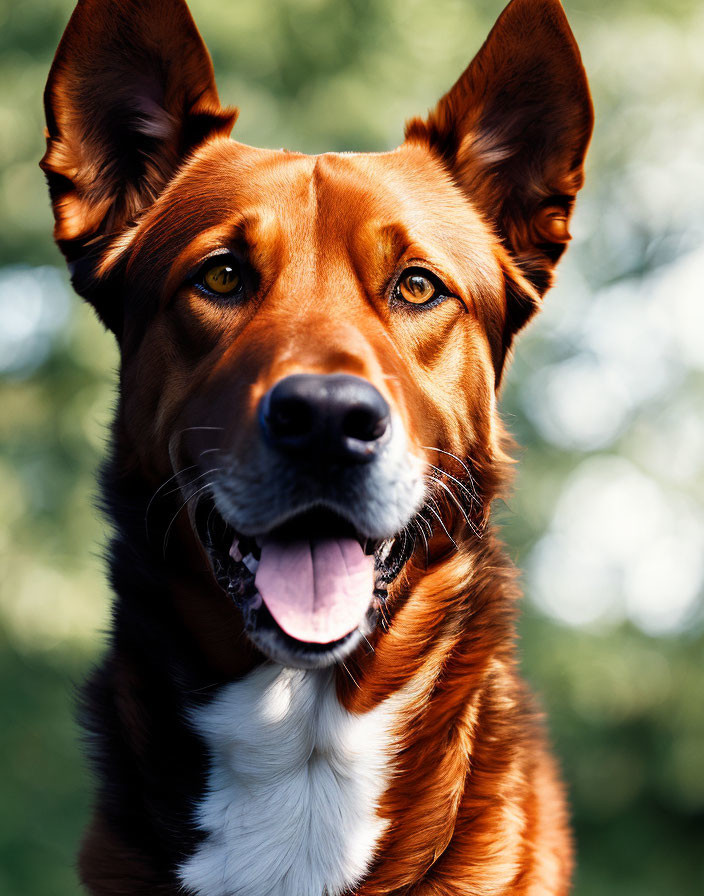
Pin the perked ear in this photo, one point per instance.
(514, 132)
(130, 94)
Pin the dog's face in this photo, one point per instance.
(311, 346)
(325, 331)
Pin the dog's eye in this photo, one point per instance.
(416, 288)
(221, 276)
(419, 287)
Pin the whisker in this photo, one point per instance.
(471, 495)
(176, 515)
(408, 534)
(427, 523)
(453, 456)
(425, 542)
(469, 522)
(194, 480)
(162, 486)
(465, 467)
(405, 538)
(356, 683)
(207, 522)
(213, 428)
(439, 519)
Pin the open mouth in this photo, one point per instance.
(310, 589)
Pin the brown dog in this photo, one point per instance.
(310, 686)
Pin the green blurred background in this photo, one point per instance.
(606, 397)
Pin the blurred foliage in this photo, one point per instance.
(612, 374)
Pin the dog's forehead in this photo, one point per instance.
(357, 215)
(354, 198)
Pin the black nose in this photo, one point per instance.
(316, 416)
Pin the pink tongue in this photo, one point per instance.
(316, 591)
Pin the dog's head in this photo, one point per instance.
(311, 346)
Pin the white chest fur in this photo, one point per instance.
(293, 788)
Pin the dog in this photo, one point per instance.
(310, 685)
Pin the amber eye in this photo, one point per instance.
(416, 288)
(222, 277)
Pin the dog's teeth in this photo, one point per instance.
(251, 564)
(235, 551)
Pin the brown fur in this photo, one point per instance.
(144, 182)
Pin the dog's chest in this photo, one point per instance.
(293, 788)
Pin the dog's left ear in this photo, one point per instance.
(130, 95)
(514, 132)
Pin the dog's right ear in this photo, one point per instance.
(130, 95)
(513, 133)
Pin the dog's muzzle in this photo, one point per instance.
(304, 552)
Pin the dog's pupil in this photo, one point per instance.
(222, 277)
(419, 286)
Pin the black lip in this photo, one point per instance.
(279, 646)
(316, 522)
(235, 578)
